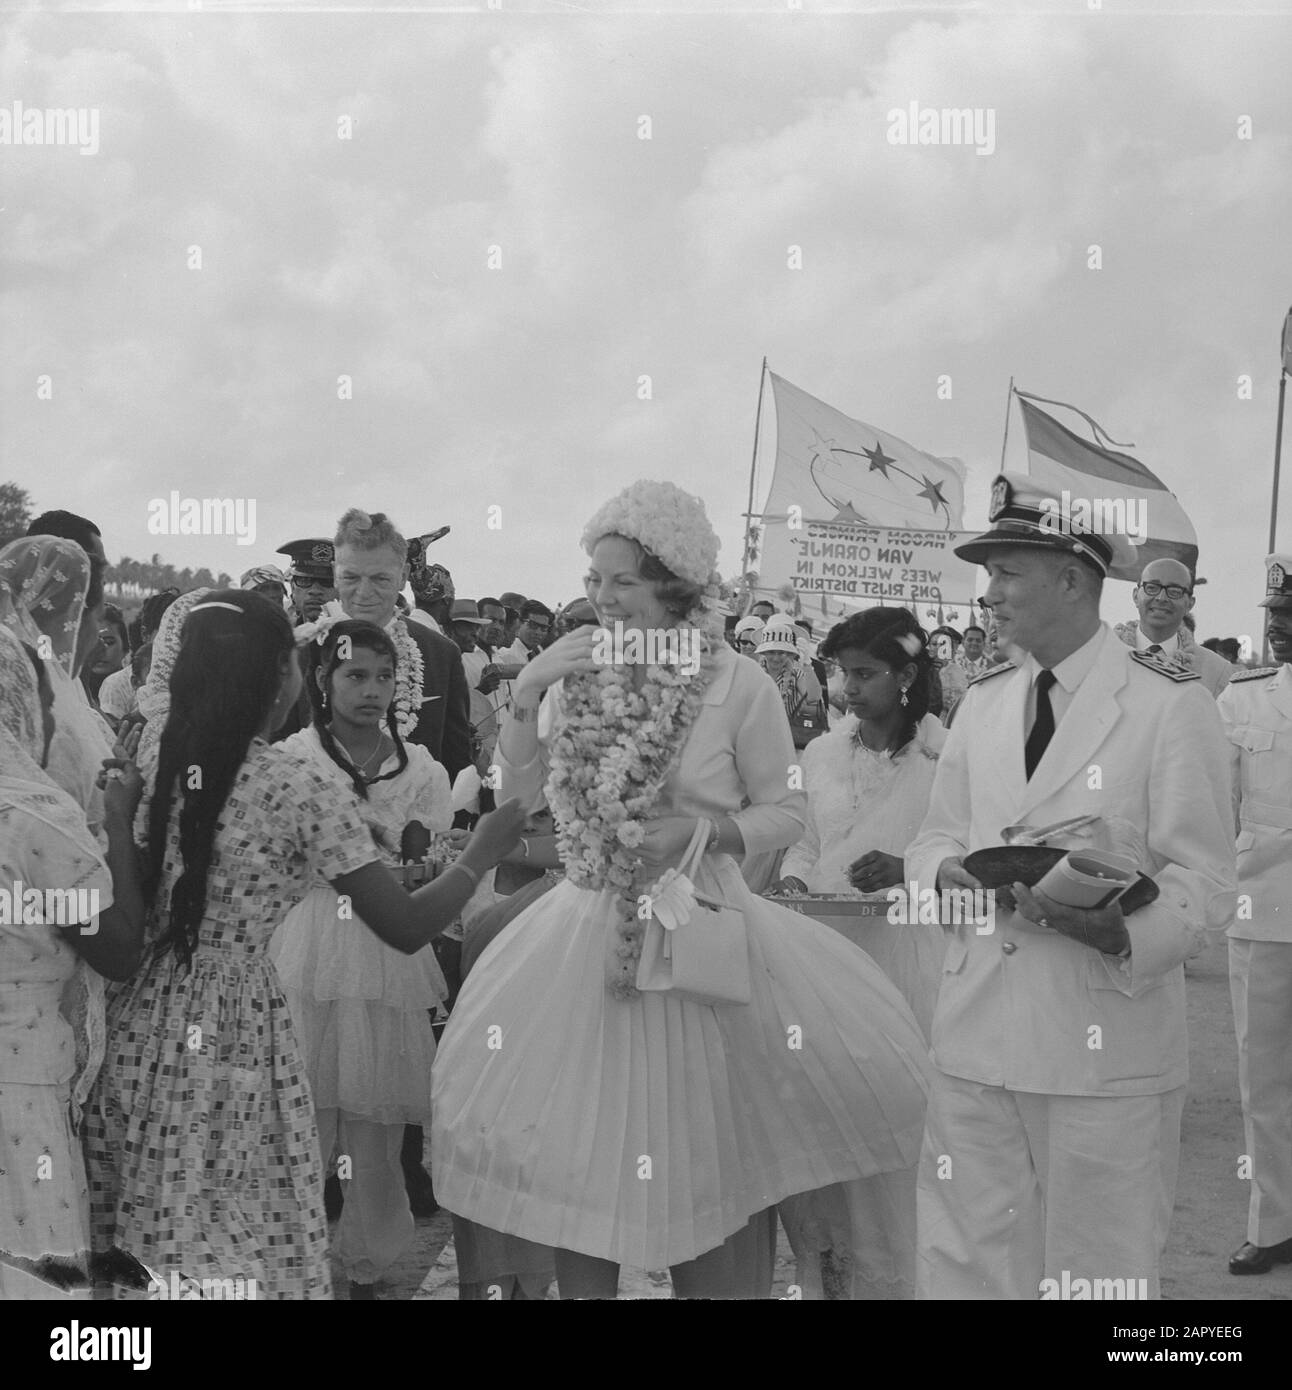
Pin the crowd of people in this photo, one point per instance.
(301, 875)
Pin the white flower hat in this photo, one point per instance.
(668, 522)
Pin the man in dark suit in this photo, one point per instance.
(444, 728)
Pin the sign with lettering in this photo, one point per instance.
(880, 564)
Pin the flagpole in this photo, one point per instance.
(1009, 400)
(1278, 457)
(753, 464)
(1278, 453)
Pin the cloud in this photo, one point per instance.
(624, 257)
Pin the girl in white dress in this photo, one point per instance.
(360, 1006)
(868, 783)
(618, 1125)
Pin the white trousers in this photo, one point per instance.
(1016, 1187)
(376, 1225)
(1260, 984)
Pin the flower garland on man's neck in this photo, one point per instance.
(610, 759)
(409, 673)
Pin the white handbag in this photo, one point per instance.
(695, 946)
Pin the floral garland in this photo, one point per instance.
(609, 761)
(409, 667)
(409, 671)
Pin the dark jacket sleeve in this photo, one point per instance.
(444, 727)
(455, 752)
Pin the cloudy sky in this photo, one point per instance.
(517, 385)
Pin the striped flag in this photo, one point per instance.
(1064, 461)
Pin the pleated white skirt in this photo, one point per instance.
(648, 1131)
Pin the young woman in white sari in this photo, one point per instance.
(868, 782)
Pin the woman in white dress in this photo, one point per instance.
(619, 1125)
(868, 783)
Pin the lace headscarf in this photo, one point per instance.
(22, 730)
(27, 788)
(43, 584)
(154, 695)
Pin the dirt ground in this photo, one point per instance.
(1211, 1200)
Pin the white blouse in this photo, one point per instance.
(860, 801)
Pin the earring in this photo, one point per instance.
(905, 701)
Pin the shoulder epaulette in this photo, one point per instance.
(1260, 674)
(1163, 668)
(995, 671)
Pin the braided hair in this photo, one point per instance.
(893, 636)
(324, 661)
(226, 679)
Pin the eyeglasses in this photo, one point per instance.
(1173, 591)
(538, 626)
(309, 581)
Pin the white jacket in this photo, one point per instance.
(1036, 1011)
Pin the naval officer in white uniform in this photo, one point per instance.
(1053, 1128)
(1257, 713)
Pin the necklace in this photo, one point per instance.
(361, 766)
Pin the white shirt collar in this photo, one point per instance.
(1170, 645)
(1073, 669)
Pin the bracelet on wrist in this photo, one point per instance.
(523, 714)
(470, 873)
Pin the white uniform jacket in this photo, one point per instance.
(1033, 1010)
(1257, 714)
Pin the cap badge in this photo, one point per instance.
(999, 498)
(1277, 577)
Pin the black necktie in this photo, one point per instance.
(1043, 728)
(1155, 649)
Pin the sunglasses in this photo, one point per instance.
(309, 581)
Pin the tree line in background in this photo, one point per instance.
(126, 580)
